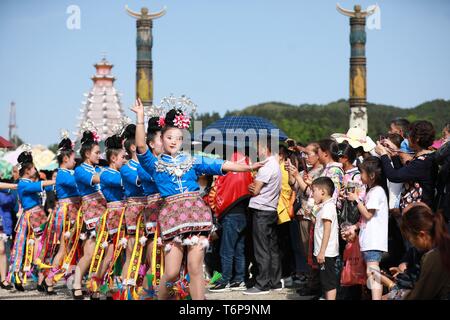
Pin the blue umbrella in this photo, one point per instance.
(247, 126)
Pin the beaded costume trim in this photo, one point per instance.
(173, 168)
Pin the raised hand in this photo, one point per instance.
(290, 168)
(138, 107)
(380, 149)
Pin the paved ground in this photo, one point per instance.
(65, 294)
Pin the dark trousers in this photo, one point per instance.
(299, 256)
(287, 253)
(232, 245)
(265, 246)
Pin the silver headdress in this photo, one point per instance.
(183, 103)
(25, 148)
(119, 128)
(185, 108)
(88, 125)
(64, 135)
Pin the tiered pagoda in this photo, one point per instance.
(102, 105)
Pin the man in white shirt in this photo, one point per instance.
(263, 205)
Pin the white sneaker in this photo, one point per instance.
(238, 286)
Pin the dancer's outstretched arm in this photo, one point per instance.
(141, 143)
(6, 186)
(239, 167)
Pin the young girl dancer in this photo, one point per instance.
(184, 218)
(154, 204)
(62, 225)
(109, 230)
(33, 219)
(93, 204)
(136, 202)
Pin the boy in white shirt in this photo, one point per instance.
(326, 235)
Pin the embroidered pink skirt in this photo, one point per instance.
(115, 210)
(93, 206)
(184, 214)
(135, 207)
(151, 213)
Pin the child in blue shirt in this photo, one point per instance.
(93, 205)
(62, 230)
(32, 218)
(107, 244)
(138, 188)
(149, 207)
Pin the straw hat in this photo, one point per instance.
(356, 137)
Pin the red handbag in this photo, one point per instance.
(354, 271)
(230, 187)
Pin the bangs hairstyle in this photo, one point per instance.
(87, 144)
(169, 119)
(372, 166)
(64, 150)
(113, 147)
(25, 160)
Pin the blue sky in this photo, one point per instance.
(224, 54)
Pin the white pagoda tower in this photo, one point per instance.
(102, 105)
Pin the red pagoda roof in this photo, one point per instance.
(5, 143)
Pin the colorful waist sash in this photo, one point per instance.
(72, 205)
(154, 205)
(135, 206)
(37, 219)
(59, 222)
(184, 213)
(115, 210)
(92, 206)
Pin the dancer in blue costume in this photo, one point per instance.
(184, 218)
(93, 204)
(31, 223)
(61, 231)
(109, 232)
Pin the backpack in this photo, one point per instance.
(349, 211)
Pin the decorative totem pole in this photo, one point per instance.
(144, 63)
(358, 88)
